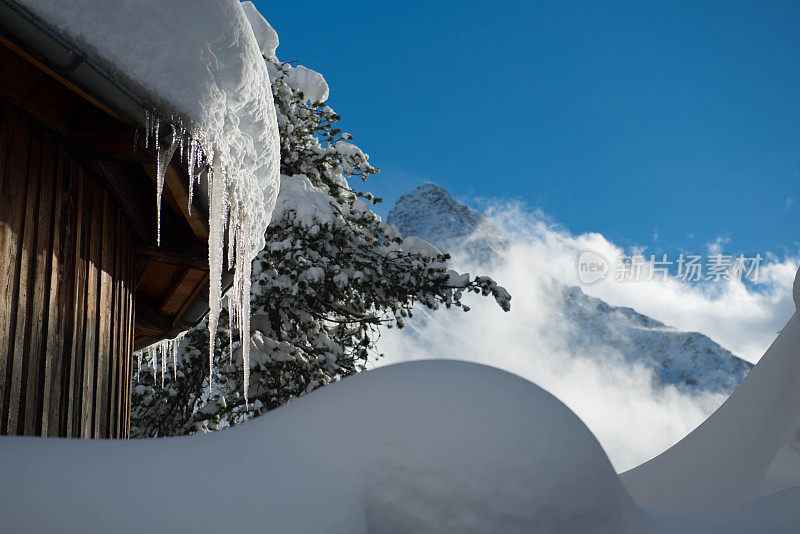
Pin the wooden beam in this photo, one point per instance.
(172, 300)
(189, 256)
(151, 326)
(201, 284)
(177, 194)
(39, 65)
(33, 92)
(183, 290)
(97, 137)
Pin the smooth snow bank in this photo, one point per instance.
(747, 449)
(421, 447)
(796, 290)
(424, 447)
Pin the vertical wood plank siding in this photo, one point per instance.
(66, 291)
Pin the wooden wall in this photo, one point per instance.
(66, 291)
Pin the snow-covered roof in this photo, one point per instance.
(193, 61)
(197, 68)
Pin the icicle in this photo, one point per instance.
(154, 362)
(183, 149)
(216, 194)
(232, 326)
(232, 240)
(148, 119)
(239, 297)
(157, 128)
(227, 212)
(164, 157)
(243, 270)
(163, 350)
(191, 157)
(174, 350)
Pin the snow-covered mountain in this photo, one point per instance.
(431, 213)
(689, 360)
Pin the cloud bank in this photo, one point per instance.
(633, 418)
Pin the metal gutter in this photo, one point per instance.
(35, 37)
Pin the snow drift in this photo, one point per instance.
(424, 447)
(421, 447)
(747, 449)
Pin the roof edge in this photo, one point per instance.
(71, 66)
(68, 63)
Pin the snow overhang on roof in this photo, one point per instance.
(244, 158)
(71, 66)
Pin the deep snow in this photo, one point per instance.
(266, 36)
(747, 449)
(197, 61)
(423, 447)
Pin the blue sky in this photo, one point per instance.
(663, 125)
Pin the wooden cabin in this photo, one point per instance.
(82, 282)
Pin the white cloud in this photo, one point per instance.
(632, 419)
(715, 247)
(742, 317)
(789, 202)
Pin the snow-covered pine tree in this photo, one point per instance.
(332, 275)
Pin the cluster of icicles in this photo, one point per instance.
(225, 213)
(166, 350)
